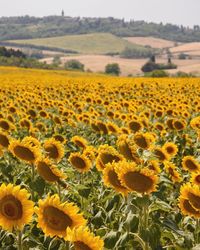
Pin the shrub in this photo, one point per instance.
(157, 73)
(74, 65)
(112, 69)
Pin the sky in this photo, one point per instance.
(185, 12)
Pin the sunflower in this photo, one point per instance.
(4, 140)
(54, 217)
(111, 179)
(187, 209)
(16, 209)
(48, 171)
(170, 169)
(154, 166)
(161, 154)
(59, 138)
(192, 194)
(24, 151)
(54, 149)
(195, 178)
(127, 149)
(195, 123)
(6, 125)
(107, 154)
(142, 140)
(90, 152)
(83, 239)
(135, 126)
(32, 141)
(170, 148)
(179, 124)
(136, 179)
(112, 128)
(189, 163)
(80, 162)
(79, 141)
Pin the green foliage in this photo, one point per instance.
(74, 65)
(112, 69)
(27, 27)
(137, 52)
(182, 56)
(157, 73)
(152, 65)
(95, 43)
(11, 52)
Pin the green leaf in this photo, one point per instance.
(111, 239)
(160, 205)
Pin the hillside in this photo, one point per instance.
(191, 49)
(27, 27)
(97, 43)
(151, 41)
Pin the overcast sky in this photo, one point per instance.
(186, 12)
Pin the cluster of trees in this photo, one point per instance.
(11, 52)
(21, 28)
(151, 65)
(137, 52)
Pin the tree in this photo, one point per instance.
(74, 65)
(112, 69)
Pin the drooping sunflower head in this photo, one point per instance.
(79, 141)
(142, 140)
(189, 200)
(195, 178)
(171, 170)
(80, 162)
(54, 149)
(161, 154)
(171, 148)
(16, 209)
(107, 154)
(4, 139)
(189, 163)
(32, 141)
(111, 178)
(55, 217)
(127, 148)
(154, 166)
(83, 239)
(24, 151)
(140, 180)
(48, 171)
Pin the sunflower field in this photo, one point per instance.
(92, 162)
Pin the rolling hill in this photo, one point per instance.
(96, 43)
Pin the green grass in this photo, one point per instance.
(96, 43)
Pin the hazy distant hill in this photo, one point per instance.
(31, 27)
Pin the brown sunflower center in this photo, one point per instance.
(194, 200)
(45, 172)
(197, 178)
(160, 155)
(113, 178)
(187, 206)
(56, 219)
(126, 151)
(78, 162)
(141, 142)
(79, 245)
(170, 150)
(52, 151)
(109, 158)
(138, 182)
(24, 153)
(191, 165)
(135, 126)
(4, 125)
(11, 208)
(4, 141)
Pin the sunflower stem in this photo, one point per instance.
(32, 180)
(197, 231)
(139, 239)
(146, 223)
(59, 190)
(20, 247)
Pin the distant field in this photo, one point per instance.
(151, 41)
(97, 43)
(187, 48)
(97, 63)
